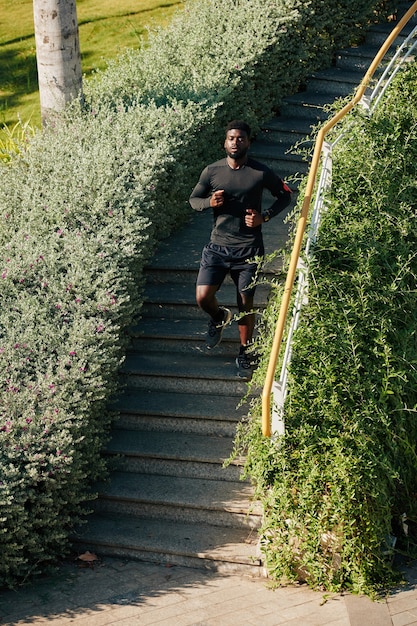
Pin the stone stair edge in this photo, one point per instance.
(211, 495)
(195, 545)
(198, 365)
(351, 76)
(263, 150)
(179, 513)
(177, 403)
(190, 333)
(230, 383)
(169, 467)
(387, 27)
(207, 416)
(175, 446)
(184, 424)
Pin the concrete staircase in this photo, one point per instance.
(170, 500)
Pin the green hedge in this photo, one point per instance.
(336, 486)
(80, 213)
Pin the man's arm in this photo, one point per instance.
(201, 194)
(282, 193)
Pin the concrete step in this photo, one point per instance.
(336, 80)
(159, 274)
(173, 454)
(292, 167)
(158, 411)
(378, 33)
(184, 294)
(227, 550)
(177, 301)
(204, 372)
(180, 499)
(183, 335)
(308, 105)
(358, 58)
(278, 146)
(281, 156)
(293, 129)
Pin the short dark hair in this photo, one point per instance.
(239, 125)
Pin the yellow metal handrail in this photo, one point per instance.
(289, 283)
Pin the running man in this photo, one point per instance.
(233, 188)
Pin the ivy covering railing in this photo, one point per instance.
(338, 487)
(322, 152)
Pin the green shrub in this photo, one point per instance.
(80, 213)
(75, 236)
(246, 63)
(12, 140)
(336, 486)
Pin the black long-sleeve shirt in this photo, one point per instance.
(243, 190)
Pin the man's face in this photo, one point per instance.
(236, 144)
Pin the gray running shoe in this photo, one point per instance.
(244, 365)
(215, 330)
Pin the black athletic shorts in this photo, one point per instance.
(218, 261)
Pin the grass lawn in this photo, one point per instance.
(106, 29)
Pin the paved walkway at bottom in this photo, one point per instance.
(130, 593)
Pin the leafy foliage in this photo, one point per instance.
(12, 139)
(337, 485)
(80, 213)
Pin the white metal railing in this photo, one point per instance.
(403, 54)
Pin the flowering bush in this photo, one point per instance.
(80, 213)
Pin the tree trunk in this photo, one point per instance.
(57, 54)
